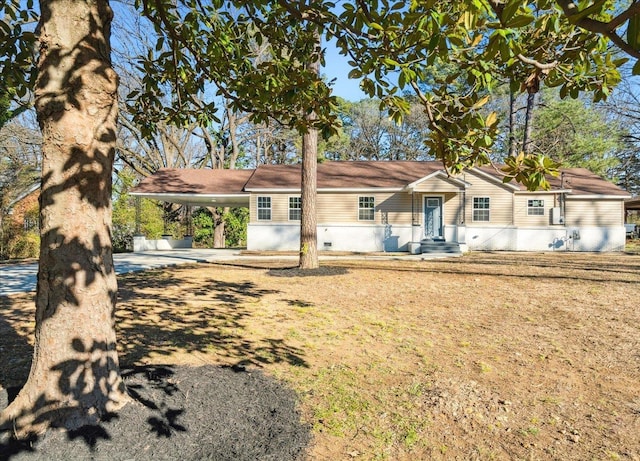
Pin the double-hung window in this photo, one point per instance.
(295, 208)
(366, 208)
(264, 208)
(535, 207)
(481, 208)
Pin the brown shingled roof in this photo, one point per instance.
(194, 181)
(583, 182)
(346, 174)
(579, 180)
(340, 175)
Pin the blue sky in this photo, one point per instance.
(336, 67)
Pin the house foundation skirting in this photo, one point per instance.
(363, 238)
(372, 238)
(570, 238)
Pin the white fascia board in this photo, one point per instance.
(187, 196)
(363, 189)
(435, 174)
(538, 192)
(240, 200)
(601, 197)
(493, 178)
(333, 189)
(274, 190)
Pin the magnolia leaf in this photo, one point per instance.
(521, 21)
(481, 102)
(510, 10)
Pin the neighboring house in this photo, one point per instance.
(408, 206)
(23, 210)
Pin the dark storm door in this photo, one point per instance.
(433, 217)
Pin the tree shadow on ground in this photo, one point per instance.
(189, 317)
(15, 349)
(204, 316)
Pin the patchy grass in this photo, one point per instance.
(633, 246)
(489, 356)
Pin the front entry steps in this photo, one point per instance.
(439, 246)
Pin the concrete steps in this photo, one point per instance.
(439, 246)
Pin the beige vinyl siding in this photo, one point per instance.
(594, 212)
(501, 200)
(342, 207)
(397, 207)
(452, 209)
(521, 207)
(437, 185)
(339, 207)
(279, 207)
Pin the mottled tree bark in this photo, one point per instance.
(308, 219)
(74, 377)
(219, 240)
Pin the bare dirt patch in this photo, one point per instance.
(489, 356)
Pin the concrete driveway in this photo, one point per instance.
(21, 277)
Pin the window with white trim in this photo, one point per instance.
(366, 208)
(481, 208)
(295, 208)
(535, 207)
(264, 208)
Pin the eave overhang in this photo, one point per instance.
(440, 175)
(222, 200)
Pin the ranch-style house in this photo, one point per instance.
(374, 206)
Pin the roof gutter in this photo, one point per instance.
(329, 189)
(598, 196)
(554, 191)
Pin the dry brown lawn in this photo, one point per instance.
(489, 356)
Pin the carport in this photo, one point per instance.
(632, 214)
(632, 205)
(194, 188)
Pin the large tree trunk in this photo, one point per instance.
(308, 219)
(74, 377)
(218, 214)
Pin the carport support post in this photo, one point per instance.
(137, 202)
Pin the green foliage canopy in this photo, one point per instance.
(254, 54)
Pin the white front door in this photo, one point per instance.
(433, 217)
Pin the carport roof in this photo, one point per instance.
(632, 204)
(202, 187)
